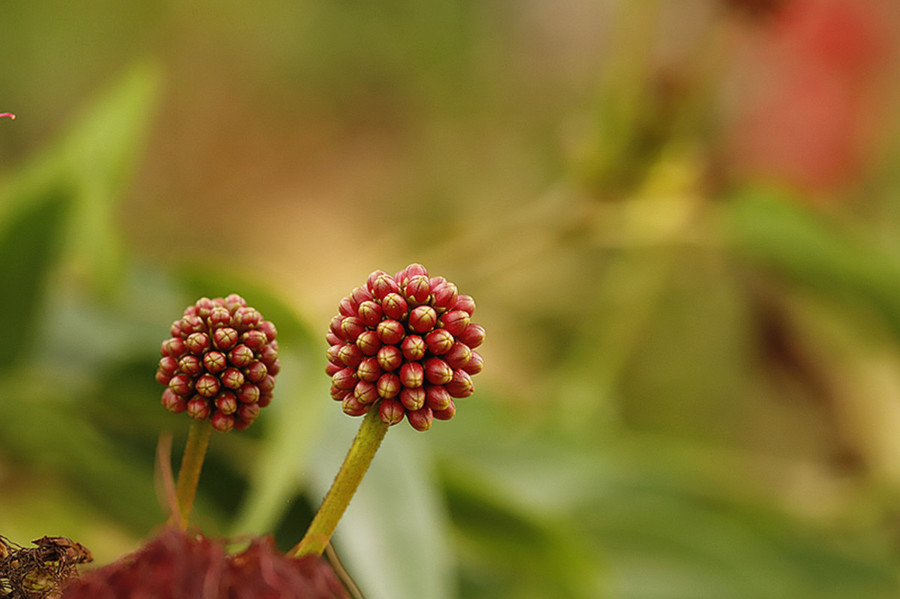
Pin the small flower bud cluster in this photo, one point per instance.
(220, 363)
(406, 343)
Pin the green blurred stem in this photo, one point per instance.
(368, 440)
(191, 463)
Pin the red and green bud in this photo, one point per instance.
(437, 371)
(412, 375)
(413, 398)
(369, 370)
(388, 385)
(222, 422)
(391, 411)
(461, 384)
(198, 408)
(439, 341)
(437, 397)
(390, 332)
(421, 420)
(422, 319)
(389, 357)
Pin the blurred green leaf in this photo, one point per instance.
(30, 246)
(777, 232)
(93, 161)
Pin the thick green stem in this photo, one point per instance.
(368, 439)
(191, 463)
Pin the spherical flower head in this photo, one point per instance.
(404, 344)
(220, 363)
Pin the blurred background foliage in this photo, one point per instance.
(679, 220)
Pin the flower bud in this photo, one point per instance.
(437, 397)
(226, 402)
(344, 379)
(181, 384)
(353, 407)
(455, 322)
(439, 341)
(350, 355)
(412, 374)
(351, 328)
(422, 319)
(197, 343)
(391, 411)
(445, 414)
(215, 361)
(445, 296)
(172, 402)
(248, 393)
(168, 365)
(255, 340)
(246, 318)
(473, 335)
(198, 408)
(413, 398)
(232, 378)
(370, 281)
(225, 338)
(369, 370)
(256, 371)
(331, 368)
(437, 372)
(461, 384)
(365, 392)
(190, 365)
(240, 356)
(368, 342)
(383, 285)
(388, 385)
(219, 317)
(394, 306)
(466, 304)
(174, 348)
(421, 419)
(413, 348)
(475, 363)
(207, 385)
(370, 313)
(347, 307)
(390, 332)
(248, 412)
(222, 422)
(266, 385)
(389, 357)
(459, 355)
(417, 289)
(269, 330)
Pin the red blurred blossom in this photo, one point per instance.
(8, 115)
(178, 565)
(809, 87)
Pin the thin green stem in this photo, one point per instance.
(191, 464)
(367, 441)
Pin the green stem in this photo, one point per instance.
(368, 439)
(191, 463)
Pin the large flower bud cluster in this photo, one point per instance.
(220, 363)
(406, 344)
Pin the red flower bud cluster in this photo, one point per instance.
(220, 363)
(176, 565)
(406, 344)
